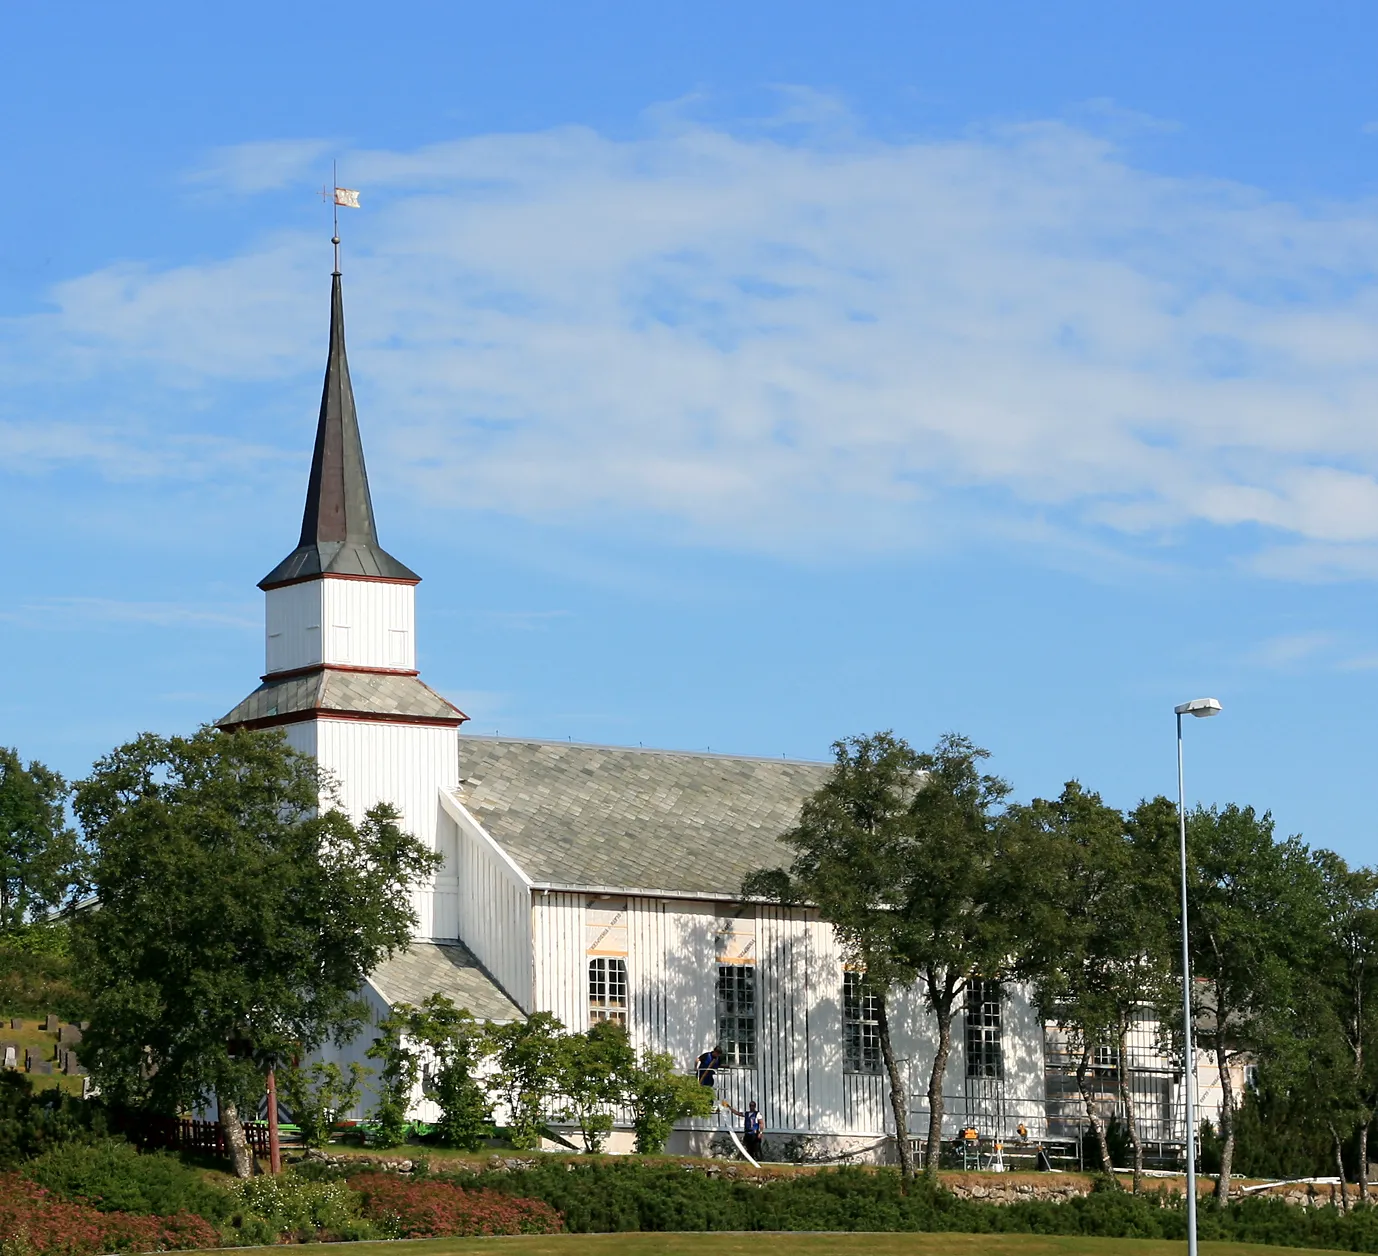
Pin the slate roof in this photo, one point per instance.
(447, 968)
(360, 693)
(338, 535)
(653, 820)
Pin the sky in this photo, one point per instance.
(736, 377)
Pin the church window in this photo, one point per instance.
(860, 1024)
(605, 945)
(984, 1054)
(737, 1014)
(607, 990)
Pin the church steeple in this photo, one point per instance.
(338, 536)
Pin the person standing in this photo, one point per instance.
(753, 1129)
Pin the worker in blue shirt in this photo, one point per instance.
(707, 1065)
(753, 1130)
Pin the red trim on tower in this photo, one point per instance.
(320, 713)
(312, 668)
(337, 575)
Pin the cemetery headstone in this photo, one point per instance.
(16, 1023)
(51, 1023)
(69, 1034)
(43, 1067)
(10, 1051)
(84, 1026)
(70, 1065)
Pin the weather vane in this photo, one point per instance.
(338, 196)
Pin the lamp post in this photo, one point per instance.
(1199, 707)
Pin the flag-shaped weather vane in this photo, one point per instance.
(338, 196)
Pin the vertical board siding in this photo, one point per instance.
(406, 765)
(558, 969)
(371, 611)
(292, 623)
(492, 909)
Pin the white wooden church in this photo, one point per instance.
(595, 881)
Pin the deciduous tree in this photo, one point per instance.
(238, 916)
(40, 858)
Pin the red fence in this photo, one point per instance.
(182, 1135)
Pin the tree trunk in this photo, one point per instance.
(1340, 1167)
(1222, 1060)
(1088, 1098)
(1131, 1116)
(241, 1156)
(899, 1091)
(943, 1011)
(1363, 1162)
(274, 1147)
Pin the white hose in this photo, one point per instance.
(732, 1134)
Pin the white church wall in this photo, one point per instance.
(489, 901)
(369, 623)
(402, 764)
(293, 626)
(559, 971)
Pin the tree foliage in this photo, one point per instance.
(41, 860)
(237, 919)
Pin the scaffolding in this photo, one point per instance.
(1153, 1077)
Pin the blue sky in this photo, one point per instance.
(735, 379)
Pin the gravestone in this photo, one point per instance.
(9, 1055)
(69, 1034)
(43, 1067)
(16, 1023)
(71, 1066)
(51, 1024)
(84, 1026)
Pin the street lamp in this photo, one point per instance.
(1199, 707)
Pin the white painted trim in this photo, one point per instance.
(692, 896)
(460, 814)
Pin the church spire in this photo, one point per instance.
(338, 536)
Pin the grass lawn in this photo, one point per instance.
(719, 1244)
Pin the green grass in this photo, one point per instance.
(719, 1244)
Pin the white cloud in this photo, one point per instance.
(805, 346)
(264, 166)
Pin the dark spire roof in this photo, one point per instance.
(337, 532)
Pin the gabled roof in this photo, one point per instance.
(338, 536)
(447, 968)
(386, 695)
(606, 817)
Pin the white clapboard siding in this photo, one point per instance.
(560, 967)
(359, 623)
(406, 765)
(493, 915)
(378, 619)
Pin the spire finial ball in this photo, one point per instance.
(334, 239)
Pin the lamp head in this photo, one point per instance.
(1199, 707)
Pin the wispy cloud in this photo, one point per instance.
(812, 345)
(1290, 649)
(264, 166)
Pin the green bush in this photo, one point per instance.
(34, 1121)
(115, 1177)
(294, 1207)
(661, 1196)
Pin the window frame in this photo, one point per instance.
(984, 1030)
(736, 1015)
(861, 1054)
(606, 973)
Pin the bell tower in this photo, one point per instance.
(340, 676)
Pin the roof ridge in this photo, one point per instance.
(648, 750)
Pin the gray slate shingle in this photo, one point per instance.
(447, 968)
(586, 816)
(365, 693)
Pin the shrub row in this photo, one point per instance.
(436, 1208)
(659, 1196)
(34, 1222)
